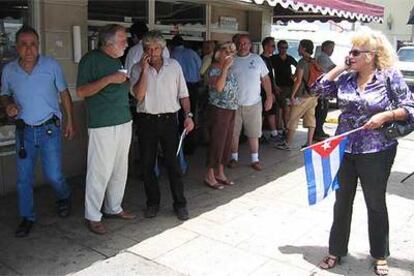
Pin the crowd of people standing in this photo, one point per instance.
(244, 91)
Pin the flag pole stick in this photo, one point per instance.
(333, 138)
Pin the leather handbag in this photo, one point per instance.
(395, 129)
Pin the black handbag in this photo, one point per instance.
(395, 129)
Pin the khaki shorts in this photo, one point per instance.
(305, 109)
(284, 96)
(250, 117)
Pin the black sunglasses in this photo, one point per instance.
(356, 53)
(284, 47)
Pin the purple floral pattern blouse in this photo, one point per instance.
(358, 107)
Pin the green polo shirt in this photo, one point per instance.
(108, 107)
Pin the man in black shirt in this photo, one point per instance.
(283, 77)
(268, 44)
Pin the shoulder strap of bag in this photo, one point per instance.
(305, 81)
(390, 95)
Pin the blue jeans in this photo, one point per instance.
(46, 142)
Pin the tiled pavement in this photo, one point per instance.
(260, 226)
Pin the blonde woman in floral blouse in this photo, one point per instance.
(362, 94)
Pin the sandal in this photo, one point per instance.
(381, 267)
(216, 185)
(224, 181)
(329, 262)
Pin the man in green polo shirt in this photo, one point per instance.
(103, 83)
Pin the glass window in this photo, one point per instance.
(180, 13)
(406, 54)
(13, 14)
(118, 11)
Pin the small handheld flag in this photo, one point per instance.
(322, 162)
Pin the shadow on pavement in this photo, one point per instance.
(406, 189)
(349, 265)
(60, 246)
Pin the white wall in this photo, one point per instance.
(398, 12)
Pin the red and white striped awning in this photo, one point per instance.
(352, 10)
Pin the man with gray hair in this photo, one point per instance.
(102, 81)
(159, 86)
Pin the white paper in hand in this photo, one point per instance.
(180, 144)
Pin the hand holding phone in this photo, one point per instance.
(348, 62)
(144, 62)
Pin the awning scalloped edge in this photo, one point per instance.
(323, 10)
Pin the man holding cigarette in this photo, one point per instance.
(159, 86)
(102, 81)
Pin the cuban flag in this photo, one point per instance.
(322, 161)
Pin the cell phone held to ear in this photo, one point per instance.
(347, 61)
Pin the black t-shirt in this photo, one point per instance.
(283, 71)
(269, 66)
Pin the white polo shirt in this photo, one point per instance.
(135, 53)
(249, 70)
(164, 88)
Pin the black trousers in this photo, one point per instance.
(191, 139)
(321, 112)
(153, 130)
(373, 170)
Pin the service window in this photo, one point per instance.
(179, 13)
(118, 11)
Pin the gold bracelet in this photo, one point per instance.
(393, 115)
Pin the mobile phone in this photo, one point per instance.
(347, 61)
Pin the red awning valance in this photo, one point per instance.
(351, 10)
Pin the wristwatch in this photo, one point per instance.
(189, 115)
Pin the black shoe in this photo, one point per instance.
(24, 228)
(182, 213)
(151, 211)
(63, 207)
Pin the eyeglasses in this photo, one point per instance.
(273, 46)
(284, 47)
(356, 52)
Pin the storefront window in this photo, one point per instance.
(118, 11)
(180, 13)
(13, 14)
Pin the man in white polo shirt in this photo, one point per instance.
(251, 73)
(159, 86)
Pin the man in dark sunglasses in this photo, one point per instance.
(281, 63)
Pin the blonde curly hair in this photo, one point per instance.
(376, 41)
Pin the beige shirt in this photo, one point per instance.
(164, 88)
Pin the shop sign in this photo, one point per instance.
(228, 23)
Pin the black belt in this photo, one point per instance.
(158, 116)
(54, 120)
(21, 125)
